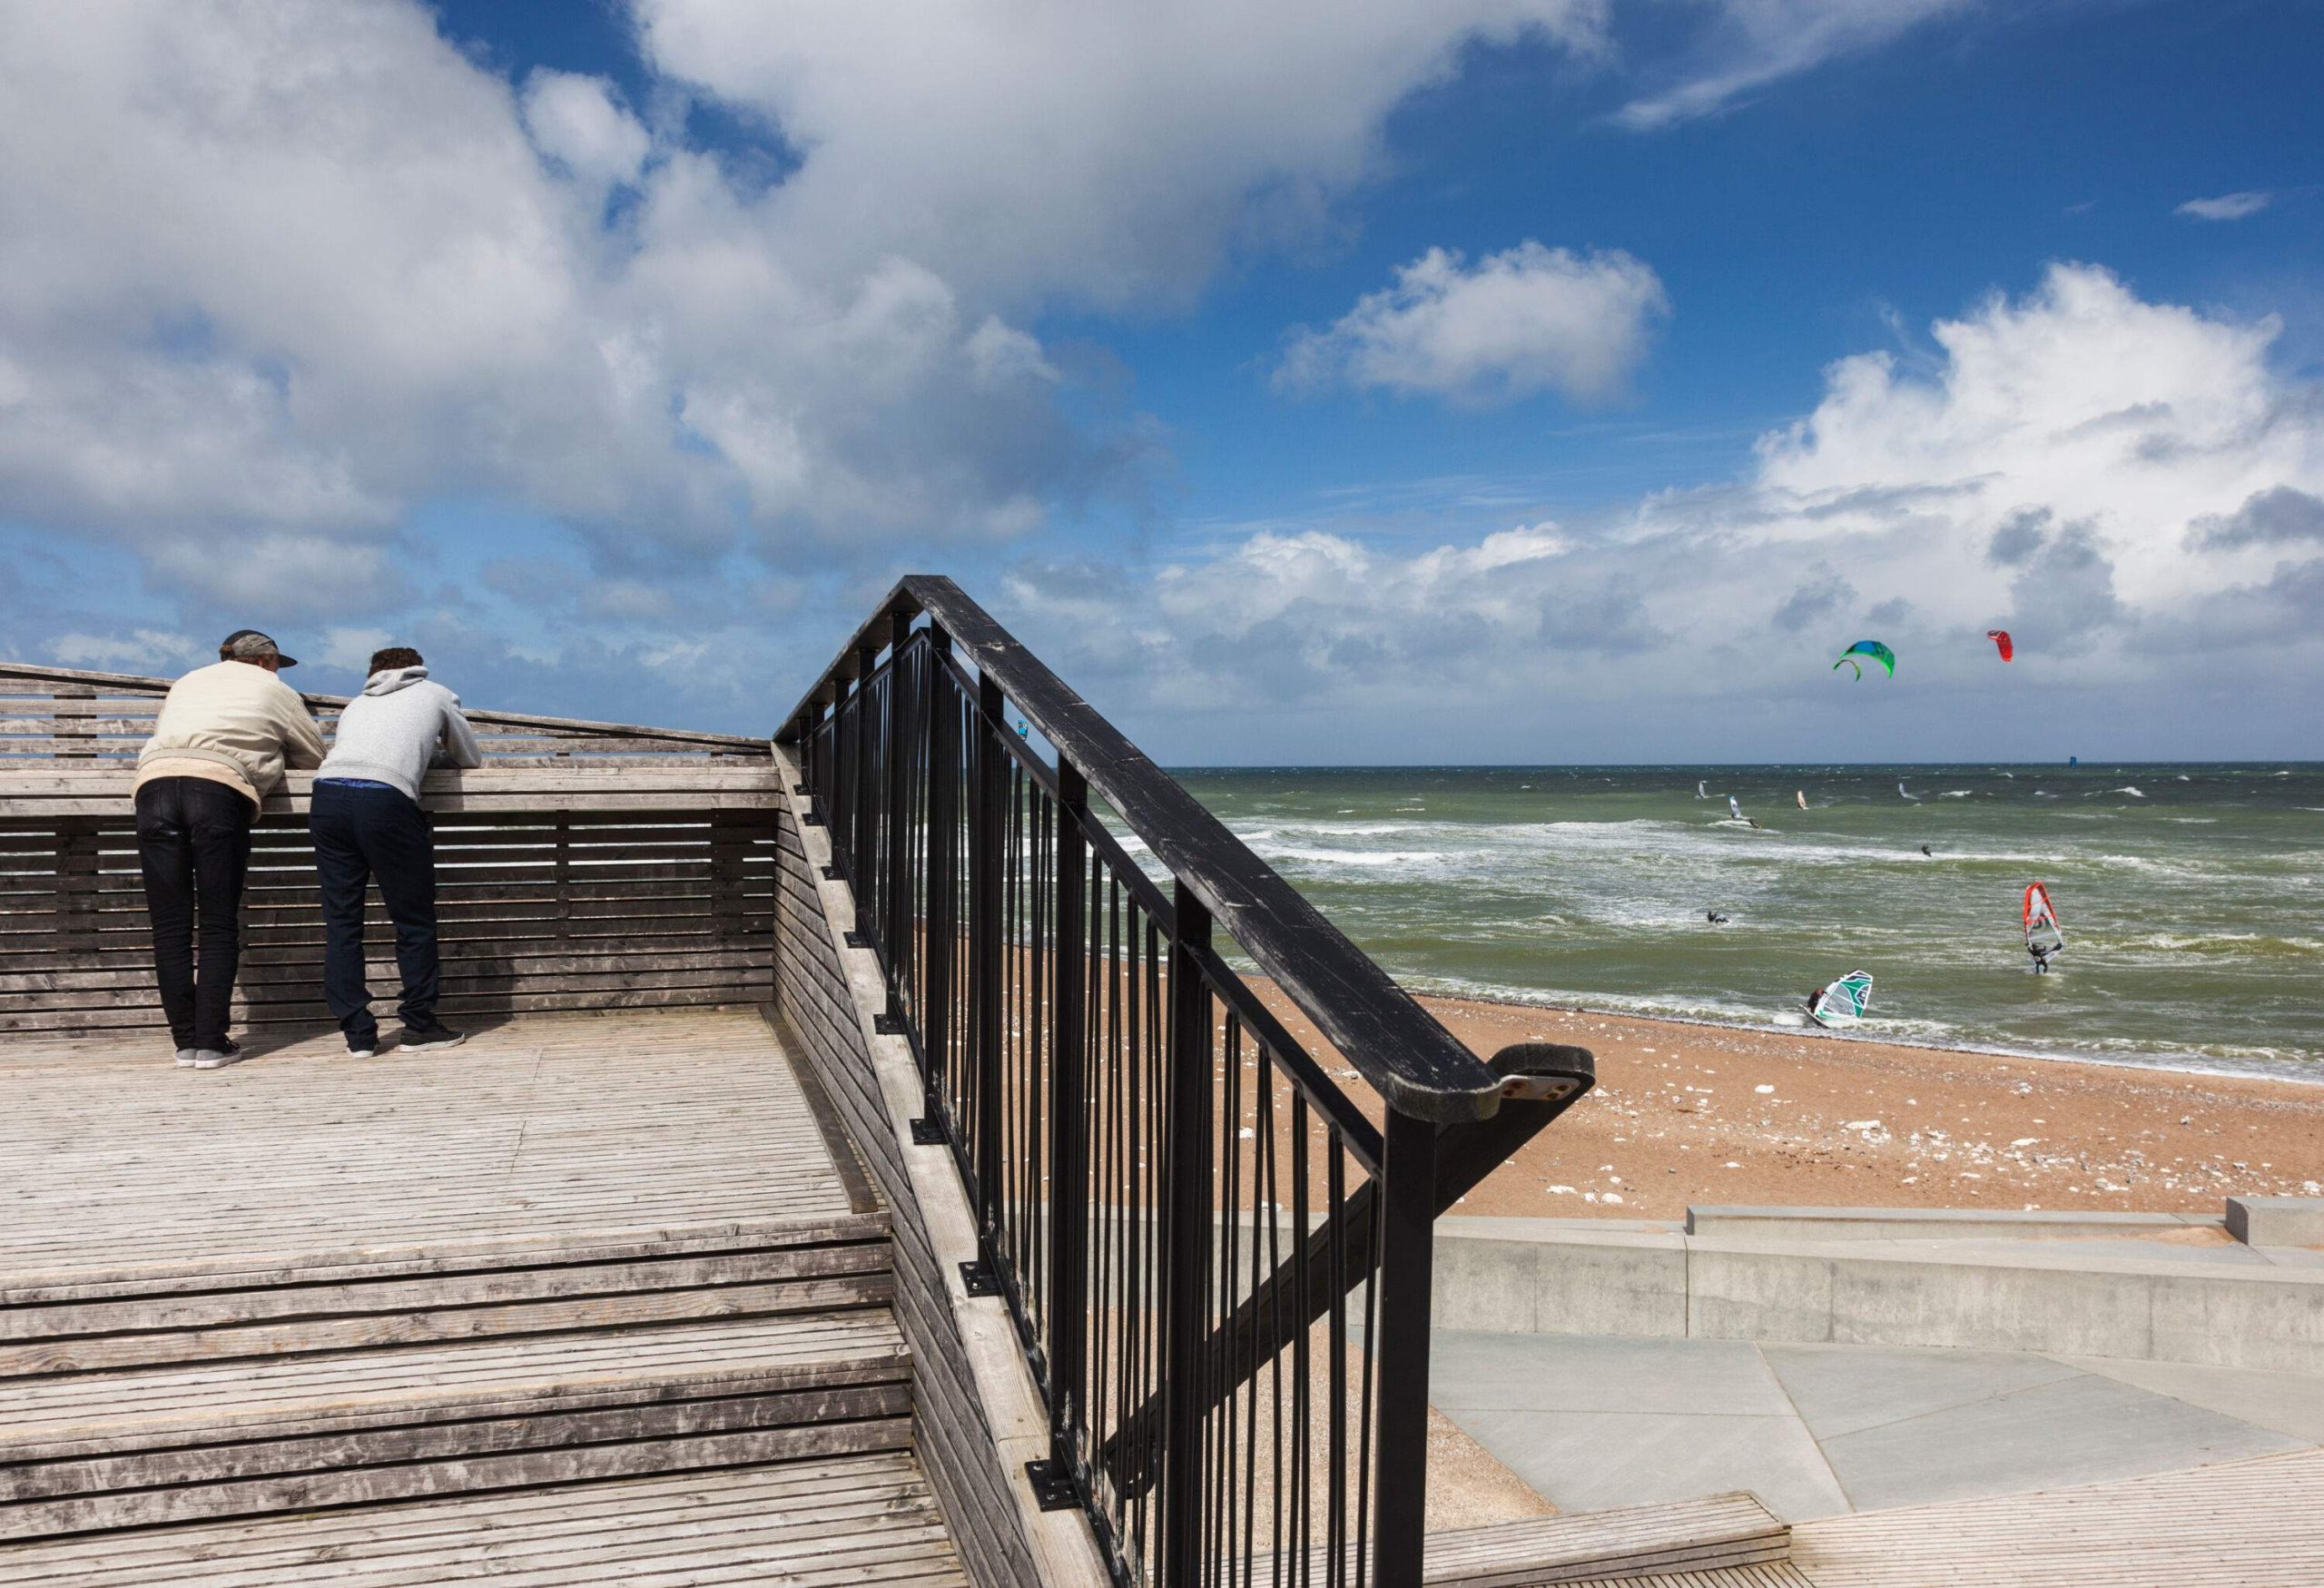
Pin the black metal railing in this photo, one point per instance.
(1216, 1249)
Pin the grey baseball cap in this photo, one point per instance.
(247, 644)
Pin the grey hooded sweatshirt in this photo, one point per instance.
(399, 726)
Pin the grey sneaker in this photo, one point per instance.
(186, 1057)
(430, 1038)
(219, 1058)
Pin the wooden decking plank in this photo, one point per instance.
(431, 1324)
(739, 1529)
(372, 1485)
(143, 1408)
(2241, 1524)
(1719, 1531)
(112, 1168)
(213, 1309)
(640, 1502)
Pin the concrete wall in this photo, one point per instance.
(1579, 1276)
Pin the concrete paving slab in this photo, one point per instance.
(2291, 1404)
(1587, 1461)
(2076, 1430)
(1845, 1389)
(1588, 1373)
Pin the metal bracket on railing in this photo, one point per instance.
(813, 818)
(928, 1132)
(887, 1025)
(1053, 1487)
(859, 940)
(832, 874)
(979, 1280)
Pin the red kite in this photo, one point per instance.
(1999, 637)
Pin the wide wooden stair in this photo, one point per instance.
(196, 1402)
(631, 1322)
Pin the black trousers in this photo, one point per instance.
(193, 842)
(361, 834)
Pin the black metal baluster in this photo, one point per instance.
(1407, 1214)
(1068, 1316)
(938, 1059)
(1187, 1177)
(987, 886)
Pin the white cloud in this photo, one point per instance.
(574, 121)
(278, 276)
(1107, 153)
(1747, 44)
(1528, 319)
(2226, 207)
(2128, 485)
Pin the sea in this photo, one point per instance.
(2191, 896)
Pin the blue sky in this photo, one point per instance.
(1489, 380)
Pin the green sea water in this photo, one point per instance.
(2192, 896)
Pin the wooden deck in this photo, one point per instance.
(592, 1298)
(2256, 1524)
(546, 1132)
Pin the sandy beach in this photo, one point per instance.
(1703, 1114)
(1695, 1114)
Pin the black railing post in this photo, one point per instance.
(1186, 1236)
(1400, 1364)
(895, 925)
(986, 952)
(1068, 1124)
(937, 1056)
(863, 832)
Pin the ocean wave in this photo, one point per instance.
(1955, 793)
(1363, 857)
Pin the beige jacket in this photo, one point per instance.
(232, 723)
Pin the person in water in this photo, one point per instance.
(2041, 953)
(1927, 851)
(1715, 918)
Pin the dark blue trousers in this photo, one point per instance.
(363, 834)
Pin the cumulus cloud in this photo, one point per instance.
(2226, 207)
(278, 278)
(1108, 153)
(1747, 44)
(1525, 320)
(2128, 485)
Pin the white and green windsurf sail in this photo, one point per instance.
(1843, 1003)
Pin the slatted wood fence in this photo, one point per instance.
(586, 866)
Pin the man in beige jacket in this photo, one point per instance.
(219, 747)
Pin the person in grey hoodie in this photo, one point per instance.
(366, 822)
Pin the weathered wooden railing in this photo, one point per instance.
(1216, 1246)
(585, 865)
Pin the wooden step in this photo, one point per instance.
(829, 1521)
(159, 1319)
(1721, 1533)
(153, 1445)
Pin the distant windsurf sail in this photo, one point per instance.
(2043, 933)
(1842, 1003)
(1801, 795)
(1702, 790)
(1905, 792)
(1735, 807)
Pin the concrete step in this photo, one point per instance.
(153, 1444)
